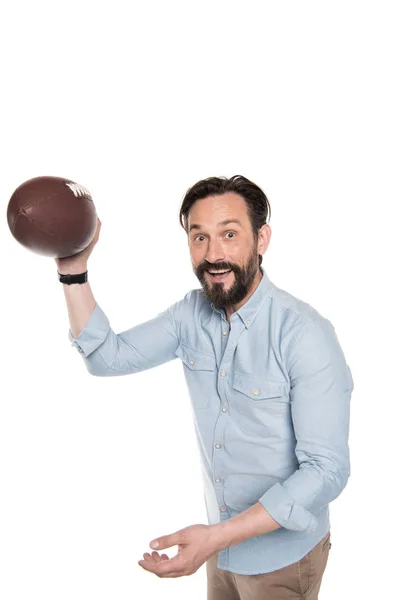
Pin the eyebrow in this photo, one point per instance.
(223, 223)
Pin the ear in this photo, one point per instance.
(264, 236)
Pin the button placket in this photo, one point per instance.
(224, 375)
(217, 468)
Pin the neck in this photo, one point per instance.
(229, 310)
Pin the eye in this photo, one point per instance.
(230, 234)
(197, 238)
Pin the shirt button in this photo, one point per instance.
(218, 479)
(223, 373)
(223, 509)
(80, 350)
(256, 392)
(224, 332)
(248, 321)
(192, 362)
(218, 446)
(224, 409)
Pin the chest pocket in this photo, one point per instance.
(200, 372)
(262, 404)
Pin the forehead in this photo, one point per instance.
(214, 209)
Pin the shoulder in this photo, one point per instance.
(309, 339)
(283, 301)
(295, 318)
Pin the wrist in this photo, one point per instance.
(70, 279)
(220, 535)
(74, 269)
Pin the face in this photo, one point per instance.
(223, 250)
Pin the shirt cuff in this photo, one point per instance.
(285, 511)
(93, 334)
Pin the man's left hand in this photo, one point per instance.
(195, 546)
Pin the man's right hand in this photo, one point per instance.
(78, 262)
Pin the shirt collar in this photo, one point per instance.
(249, 310)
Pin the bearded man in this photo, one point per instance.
(270, 390)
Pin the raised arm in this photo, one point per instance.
(105, 352)
(79, 296)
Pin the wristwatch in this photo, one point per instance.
(68, 279)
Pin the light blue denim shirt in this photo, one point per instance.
(270, 394)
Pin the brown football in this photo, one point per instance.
(52, 216)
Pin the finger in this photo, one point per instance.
(156, 556)
(166, 541)
(148, 557)
(165, 568)
(173, 567)
(97, 232)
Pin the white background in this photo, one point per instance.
(137, 101)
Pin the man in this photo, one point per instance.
(270, 390)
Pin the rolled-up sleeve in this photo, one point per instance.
(320, 390)
(142, 347)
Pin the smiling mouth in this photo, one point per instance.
(219, 275)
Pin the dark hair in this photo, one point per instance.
(258, 207)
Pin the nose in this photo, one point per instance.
(215, 252)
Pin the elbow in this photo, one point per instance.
(96, 372)
(97, 367)
(334, 479)
(337, 481)
(330, 479)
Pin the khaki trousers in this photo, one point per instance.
(299, 581)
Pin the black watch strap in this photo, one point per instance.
(68, 279)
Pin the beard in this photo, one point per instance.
(244, 278)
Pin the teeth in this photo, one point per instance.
(226, 271)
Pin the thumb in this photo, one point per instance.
(166, 541)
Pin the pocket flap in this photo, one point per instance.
(258, 388)
(195, 360)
